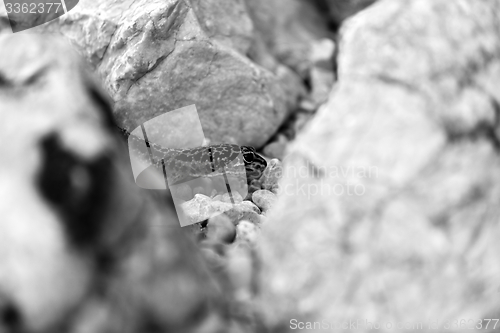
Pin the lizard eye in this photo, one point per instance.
(248, 157)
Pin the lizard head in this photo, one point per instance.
(254, 163)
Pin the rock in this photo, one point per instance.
(308, 105)
(321, 74)
(71, 213)
(272, 174)
(321, 83)
(236, 197)
(201, 208)
(198, 209)
(255, 186)
(322, 53)
(264, 199)
(339, 10)
(393, 161)
(242, 212)
(251, 205)
(247, 232)
(220, 229)
(157, 56)
(226, 22)
(275, 150)
(288, 36)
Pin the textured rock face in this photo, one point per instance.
(287, 29)
(157, 56)
(389, 203)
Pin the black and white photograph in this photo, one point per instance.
(249, 166)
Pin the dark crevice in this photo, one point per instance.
(4, 83)
(398, 82)
(104, 105)
(493, 133)
(77, 189)
(483, 130)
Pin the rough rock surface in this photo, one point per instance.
(287, 29)
(391, 211)
(157, 56)
(264, 199)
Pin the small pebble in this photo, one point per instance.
(247, 232)
(251, 205)
(242, 211)
(322, 81)
(226, 198)
(322, 53)
(254, 186)
(201, 208)
(308, 105)
(264, 199)
(198, 209)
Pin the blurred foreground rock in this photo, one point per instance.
(390, 204)
(82, 248)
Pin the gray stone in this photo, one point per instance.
(321, 83)
(157, 56)
(389, 209)
(236, 197)
(242, 212)
(264, 199)
(247, 231)
(251, 205)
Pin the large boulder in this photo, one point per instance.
(388, 211)
(157, 56)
